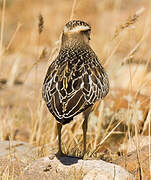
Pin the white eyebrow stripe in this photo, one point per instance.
(76, 29)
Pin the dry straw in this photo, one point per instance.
(2, 29)
(129, 22)
(73, 9)
(2, 24)
(41, 24)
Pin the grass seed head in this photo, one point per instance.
(40, 24)
(131, 20)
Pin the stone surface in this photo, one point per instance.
(137, 162)
(73, 168)
(14, 156)
(17, 161)
(18, 149)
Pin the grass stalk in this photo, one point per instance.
(73, 9)
(2, 24)
(2, 29)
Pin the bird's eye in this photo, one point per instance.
(87, 33)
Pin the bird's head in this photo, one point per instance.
(76, 30)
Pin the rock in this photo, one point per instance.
(137, 162)
(18, 149)
(14, 156)
(73, 168)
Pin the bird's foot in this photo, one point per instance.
(60, 154)
(84, 156)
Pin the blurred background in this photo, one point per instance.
(121, 39)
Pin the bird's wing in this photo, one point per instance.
(96, 84)
(70, 88)
(62, 90)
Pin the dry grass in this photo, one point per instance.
(27, 41)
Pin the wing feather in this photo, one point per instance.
(70, 88)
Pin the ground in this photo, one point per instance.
(30, 31)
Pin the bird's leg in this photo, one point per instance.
(84, 127)
(59, 127)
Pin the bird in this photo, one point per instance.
(75, 80)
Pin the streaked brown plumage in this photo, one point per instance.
(75, 80)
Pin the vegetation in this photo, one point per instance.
(29, 41)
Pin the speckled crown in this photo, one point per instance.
(75, 23)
